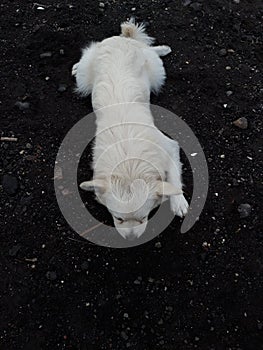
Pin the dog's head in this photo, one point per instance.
(130, 203)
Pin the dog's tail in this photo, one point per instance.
(135, 31)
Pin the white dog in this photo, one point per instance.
(135, 165)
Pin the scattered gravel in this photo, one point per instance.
(86, 310)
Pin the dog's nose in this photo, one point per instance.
(131, 236)
(127, 233)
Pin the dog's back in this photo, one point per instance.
(130, 165)
(121, 68)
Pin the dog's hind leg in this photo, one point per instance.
(84, 70)
(161, 50)
(74, 69)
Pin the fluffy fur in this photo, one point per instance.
(134, 164)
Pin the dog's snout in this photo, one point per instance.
(131, 233)
(127, 233)
(131, 236)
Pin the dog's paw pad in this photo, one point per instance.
(74, 69)
(179, 205)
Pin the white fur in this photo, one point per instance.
(132, 159)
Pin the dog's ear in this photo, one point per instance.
(94, 185)
(167, 189)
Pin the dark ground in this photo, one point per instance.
(59, 292)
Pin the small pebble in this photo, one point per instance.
(28, 145)
(61, 52)
(41, 8)
(45, 54)
(14, 250)
(186, 2)
(101, 5)
(84, 265)
(65, 192)
(222, 52)
(229, 93)
(58, 175)
(241, 123)
(22, 105)
(158, 245)
(51, 275)
(196, 6)
(62, 87)
(244, 210)
(124, 335)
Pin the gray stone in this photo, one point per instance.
(51, 275)
(244, 210)
(45, 54)
(222, 52)
(241, 123)
(62, 87)
(22, 105)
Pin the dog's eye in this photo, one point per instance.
(142, 219)
(119, 219)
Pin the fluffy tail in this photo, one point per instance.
(135, 31)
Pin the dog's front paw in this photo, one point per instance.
(166, 50)
(74, 69)
(179, 205)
